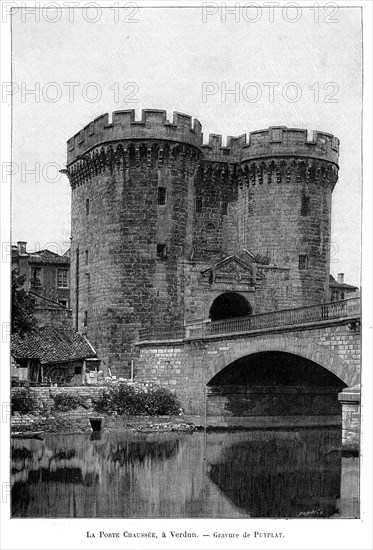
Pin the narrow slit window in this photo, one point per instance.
(161, 196)
(225, 208)
(305, 208)
(87, 207)
(198, 205)
(86, 257)
(86, 318)
(303, 262)
(161, 251)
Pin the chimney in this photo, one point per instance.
(341, 278)
(22, 247)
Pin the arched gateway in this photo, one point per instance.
(229, 305)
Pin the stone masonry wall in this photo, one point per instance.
(121, 280)
(43, 396)
(61, 317)
(351, 419)
(215, 220)
(287, 218)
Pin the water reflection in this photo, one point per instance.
(259, 473)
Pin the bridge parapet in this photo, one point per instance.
(286, 317)
(318, 313)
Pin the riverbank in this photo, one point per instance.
(82, 421)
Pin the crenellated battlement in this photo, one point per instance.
(276, 141)
(153, 125)
(280, 141)
(215, 151)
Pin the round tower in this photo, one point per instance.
(132, 216)
(284, 207)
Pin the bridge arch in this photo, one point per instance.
(303, 347)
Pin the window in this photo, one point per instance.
(62, 278)
(87, 207)
(86, 257)
(64, 303)
(36, 276)
(342, 295)
(225, 208)
(161, 251)
(86, 318)
(198, 205)
(305, 208)
(78, 369)
(161, 196)
(303, 262)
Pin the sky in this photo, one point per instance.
(68, 71)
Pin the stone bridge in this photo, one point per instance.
(323, 336)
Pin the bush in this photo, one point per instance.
(104, 403)
(161, 401)
(68, 401)
(131, 401)
(22, 401)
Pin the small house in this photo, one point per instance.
(50, 355)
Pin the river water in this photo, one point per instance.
(241, 474)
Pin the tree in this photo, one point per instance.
(23, 319)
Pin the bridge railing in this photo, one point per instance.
(284, 317)
(271, 319)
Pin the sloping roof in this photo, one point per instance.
(44, 256)
(45, 252)
(335, 284)
(52, 259)
(51, 345)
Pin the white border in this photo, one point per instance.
(299, 534)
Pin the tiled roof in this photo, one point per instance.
(43, 257)
(51, 345)
(335, 284)
(37, 258)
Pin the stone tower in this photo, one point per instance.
(285, 205)
(163, 225)
(132, 220)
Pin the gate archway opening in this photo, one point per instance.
(229, 305)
